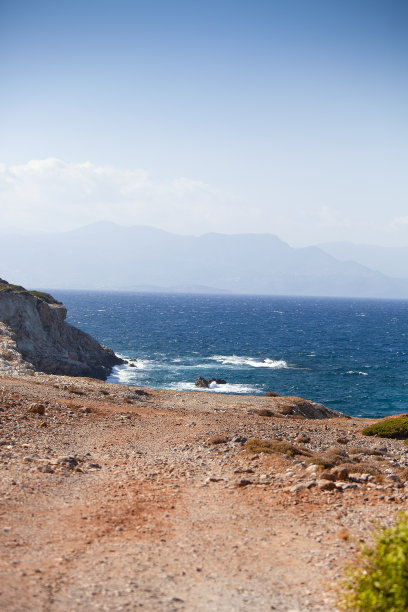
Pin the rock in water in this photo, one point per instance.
(202, 382)
(35, 335)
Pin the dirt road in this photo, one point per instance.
(119, 500)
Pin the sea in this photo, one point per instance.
(349, 354)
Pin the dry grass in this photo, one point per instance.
(285, 410)
(344, 534)
(218, 440)
(264, 412)
(255, 445)
(362, 450)
(363, 467)
(331, 458)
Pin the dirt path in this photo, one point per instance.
(111, 503)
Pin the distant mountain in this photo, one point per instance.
(106, 256)
(392, 261)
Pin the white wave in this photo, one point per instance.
(275, 364)
(356, 372)
(214, 388)
(126, 374)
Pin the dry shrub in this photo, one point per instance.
(361, 450)
(285, 410)
(255, 445)
(264, 412)
(363, 467)
(344, 534)
(331, 458)
(218, 440)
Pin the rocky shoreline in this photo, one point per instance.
(34, 336)
(113, 498)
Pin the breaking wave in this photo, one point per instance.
(214, 388)
(274, 364)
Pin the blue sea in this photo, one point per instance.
(349, 354)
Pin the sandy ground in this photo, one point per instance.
(114, 500)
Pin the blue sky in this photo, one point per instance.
(284, 116)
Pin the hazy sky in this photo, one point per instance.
(281, 116)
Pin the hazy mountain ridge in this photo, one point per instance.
(106, 256)
(392, 261)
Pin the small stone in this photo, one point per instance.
(68, 461)
(298, 487)
(310, 484)
(95, 466)
(243, 482)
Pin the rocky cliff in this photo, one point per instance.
(35, 336)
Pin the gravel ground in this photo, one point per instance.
(113, 498)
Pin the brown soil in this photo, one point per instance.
(112, 500)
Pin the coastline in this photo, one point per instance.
(116, 496)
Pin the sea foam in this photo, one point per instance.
(214, 388)
(241, 361)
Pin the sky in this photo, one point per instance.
(279, 116)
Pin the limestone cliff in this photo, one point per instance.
(35, 336)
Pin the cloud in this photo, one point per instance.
(51, 194)
(398, 222)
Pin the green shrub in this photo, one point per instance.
(389, 428)
(378, 581)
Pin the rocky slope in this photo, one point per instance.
(115, 498)
(35, 336)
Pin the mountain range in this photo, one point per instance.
(106, 256)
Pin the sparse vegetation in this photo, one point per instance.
(378, 580)
(76, 391)
(344, 534)
(363, 467)
(389, 428)
(286, 410)
(331, 458)
(264, 412)
(218, 440)
(361, 450)
(41, 295)
(255, 445)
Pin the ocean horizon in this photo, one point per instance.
(347, 353)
